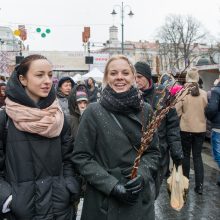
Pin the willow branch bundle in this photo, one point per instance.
(159, 115)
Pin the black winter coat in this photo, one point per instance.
(168, 132)
(212, 110)
(37, 171)
(102, 151)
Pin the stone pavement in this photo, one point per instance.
(197, 207)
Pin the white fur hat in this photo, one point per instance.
(192, 75)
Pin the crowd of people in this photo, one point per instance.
(60, 144)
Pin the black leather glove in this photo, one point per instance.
(177, 163)
(123, 195)
(135, 185)
(127, 172)
(137, 182)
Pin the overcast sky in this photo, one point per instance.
(67, 18)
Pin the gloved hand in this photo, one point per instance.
(127, 172)
(123, 195)
(177, 163)
(135, 185)
(136, 182)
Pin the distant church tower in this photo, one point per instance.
(113, 36)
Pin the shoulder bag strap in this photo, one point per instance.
(119, 124)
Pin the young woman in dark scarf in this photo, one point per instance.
(106, 145)
(2, 94)
(37, 179)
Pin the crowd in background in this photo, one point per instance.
(78, 140)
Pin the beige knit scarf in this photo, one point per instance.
(46, 122)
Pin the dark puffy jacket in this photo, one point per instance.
(212, 110)
(36, 170)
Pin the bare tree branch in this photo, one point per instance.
(181, 33)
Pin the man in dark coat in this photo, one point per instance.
(169, 131)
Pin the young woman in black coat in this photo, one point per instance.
(36, 173)
(106, 145)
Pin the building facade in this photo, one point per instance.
(72, 62)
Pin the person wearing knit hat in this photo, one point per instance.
(64, 80)
(64, 88)
(81, 96)
(82, 101)
(169, 131)
(191, 111)
(143, 76)
(77, 103)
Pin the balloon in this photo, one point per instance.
(43, 35)
(48, 30)
(38, 30)
(17, 32)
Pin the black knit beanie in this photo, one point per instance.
(143, 69)
(64, 79)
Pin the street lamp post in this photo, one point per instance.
(122, 9)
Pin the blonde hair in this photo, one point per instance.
(117, 57)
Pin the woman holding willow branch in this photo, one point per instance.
(106, 146)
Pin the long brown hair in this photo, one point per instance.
(195, 90)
